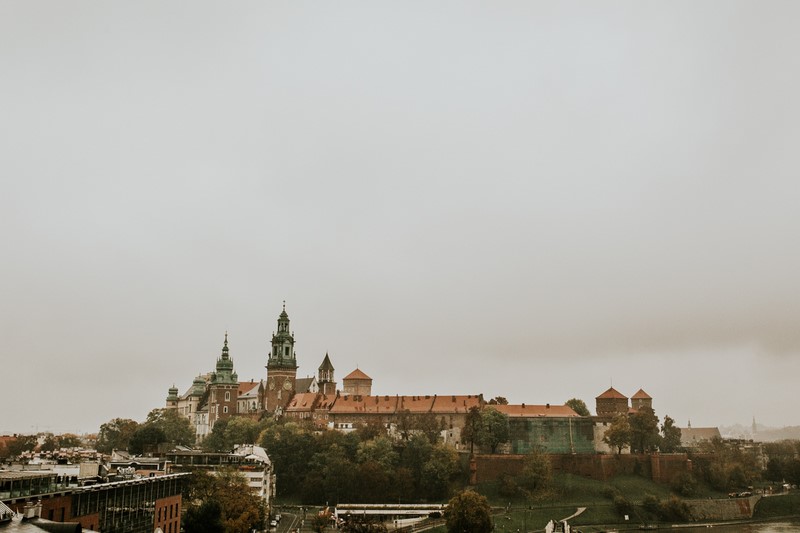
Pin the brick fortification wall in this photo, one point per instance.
(659, 468)
(733, 509)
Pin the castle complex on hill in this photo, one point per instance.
(219, 395)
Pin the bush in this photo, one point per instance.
(684, 484)
(507, 486)
(675, 509)
(622, 505)
(609, 492)
(652, 504)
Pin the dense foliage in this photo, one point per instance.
(578, 405)
(468, 511)
(222, 503)
(330, 467)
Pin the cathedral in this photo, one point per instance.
(219, 394)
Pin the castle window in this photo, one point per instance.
(225, 409)
(227, 396)
(286, 350)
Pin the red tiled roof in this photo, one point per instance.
(415, 404)
(357, 374)
(455, 404)
(353, 403)
(247, 386)
(304, 401)
(525, 410)
(612, 393)
(641, 394)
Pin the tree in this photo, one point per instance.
(379, 450)
(242, 510)
(216, 441)
(644, 431)
(498, 400)
(21, 444)
(494, 428)
(618, 434)
(439, 471)
(468, 511)
(577, 405)
(472, 428)
(176, 427)
(222, 502)
(116, 434)
(204, 518)
(670, 436)
(537, 471)
(146, 439)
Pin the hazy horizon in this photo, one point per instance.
(523, 199)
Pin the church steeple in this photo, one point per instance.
(225, 373)
(281, 366)
(282, 354)
(327, 384)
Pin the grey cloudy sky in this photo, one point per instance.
(526, 199)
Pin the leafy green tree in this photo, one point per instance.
(222, 502)
(371, 429)
(670, 436)
(577, 405)
(726, 466)
(204, 518)
(472, 428)
(242, 511)
(408, 424)
(242, 430)
(146, 439)
(644, 431)
(217, 441)
(494, 429)
(469, 512)
(116, 434)
(439, 472)
(537, 472)
(498, 400)
(176, 427)
(618, 434)
(379, 450)
(291, 445)
(415, 454)
(21, 444)
(49, 444)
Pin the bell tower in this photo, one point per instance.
(281, 367)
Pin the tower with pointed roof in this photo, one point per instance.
(357, 383)
(611, 403)
(326, 381)
(641, 399)
(281, 367)
(222, 388)
(172, 398)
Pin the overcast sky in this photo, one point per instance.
(526, 199)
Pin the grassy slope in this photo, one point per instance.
(778, 506)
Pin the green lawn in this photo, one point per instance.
(778, 506)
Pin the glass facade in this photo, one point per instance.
(126, 506)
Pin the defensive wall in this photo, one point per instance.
(661, 468)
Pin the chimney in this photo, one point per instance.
(547, 406)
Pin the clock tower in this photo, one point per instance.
(281, 367)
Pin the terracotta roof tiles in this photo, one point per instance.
(357, 374)
(612, 393)
(525, 410)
